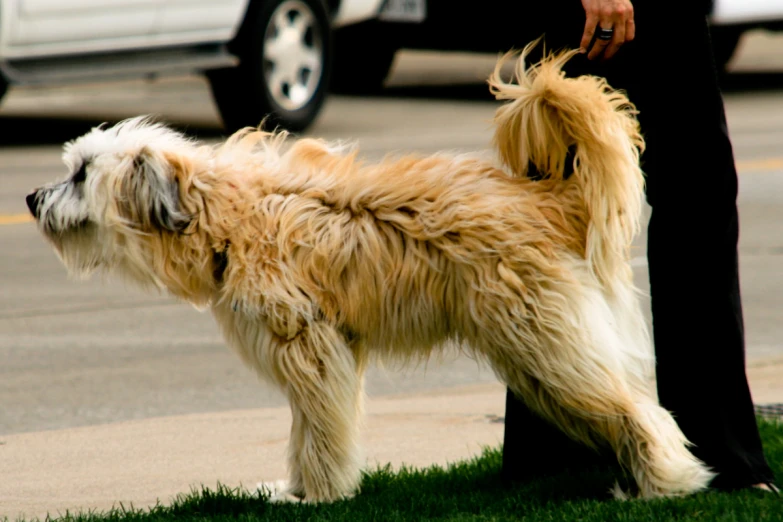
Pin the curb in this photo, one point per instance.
(770, 411)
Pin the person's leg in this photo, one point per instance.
(693, 260)
(535, 448)
(701, 371)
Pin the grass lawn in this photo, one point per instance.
(472, 491)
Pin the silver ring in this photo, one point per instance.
(605, 34)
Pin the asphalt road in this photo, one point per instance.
(78, 353)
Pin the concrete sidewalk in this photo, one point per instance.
(146, 461)
(142, 461)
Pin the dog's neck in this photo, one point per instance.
(220, 263)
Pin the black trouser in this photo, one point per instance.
(668, 73)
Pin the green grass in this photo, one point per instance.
(472, 491)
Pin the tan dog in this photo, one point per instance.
(314, 263)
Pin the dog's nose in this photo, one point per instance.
(32, 204)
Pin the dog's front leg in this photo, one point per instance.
(322, 381)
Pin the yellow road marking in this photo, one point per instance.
(13, 219)
(743, 167)
(762, 165)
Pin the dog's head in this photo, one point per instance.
(122, 188)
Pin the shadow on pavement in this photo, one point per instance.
(21, 131)
(41, 131)
(733, 83)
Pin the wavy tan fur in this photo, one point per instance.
(315, 263)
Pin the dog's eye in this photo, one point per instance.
(80, 175)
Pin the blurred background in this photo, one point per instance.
(81, 353)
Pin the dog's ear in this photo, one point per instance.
(154, 195)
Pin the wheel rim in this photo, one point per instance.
(293, 50)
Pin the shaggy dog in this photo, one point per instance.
(313, 263)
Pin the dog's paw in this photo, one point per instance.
(283, 497)
(277, 491)
(619, 493)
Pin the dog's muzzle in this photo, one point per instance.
(32, 203)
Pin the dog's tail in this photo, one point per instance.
(558, 124)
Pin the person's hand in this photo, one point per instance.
(615, 15)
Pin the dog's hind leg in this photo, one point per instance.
(567, 362)
(643, 436)
(322, 379)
